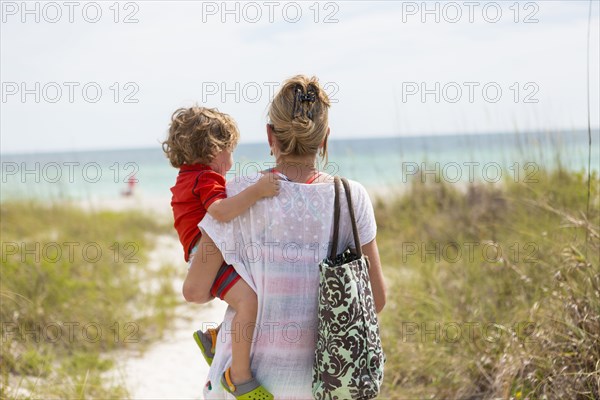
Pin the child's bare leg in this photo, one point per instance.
(243, 300)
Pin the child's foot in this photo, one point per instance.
(207, 342)
(249, 390)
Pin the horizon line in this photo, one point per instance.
(334, 139)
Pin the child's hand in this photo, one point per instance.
(268, 185)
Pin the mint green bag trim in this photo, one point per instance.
(349, 358)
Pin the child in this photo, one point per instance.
(200, 144)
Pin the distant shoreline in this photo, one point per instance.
(382, 165)
(333, 138)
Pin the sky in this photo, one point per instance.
(108, 75)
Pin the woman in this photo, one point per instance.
(277, 245)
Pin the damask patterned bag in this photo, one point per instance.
(349, 358)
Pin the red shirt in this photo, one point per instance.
(197, 187)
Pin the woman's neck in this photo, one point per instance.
(297, 169)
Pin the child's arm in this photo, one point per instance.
(225, 210)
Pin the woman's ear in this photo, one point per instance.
(323, 147)
(324, 142)
(270, 135)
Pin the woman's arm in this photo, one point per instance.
(201, 275)
(375, 274)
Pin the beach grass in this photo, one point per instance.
(494, 289)
(494, 292)
(72, 293)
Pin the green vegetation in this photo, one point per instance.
(492, 292)
(72, 293)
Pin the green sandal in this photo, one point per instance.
(207, 342)
(250, 390)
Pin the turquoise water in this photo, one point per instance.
(375, 162)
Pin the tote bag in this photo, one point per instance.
(349, 358)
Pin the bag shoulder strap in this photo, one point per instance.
(352, 217)
(336, 217)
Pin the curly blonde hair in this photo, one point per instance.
(299, 116)
(197, 134)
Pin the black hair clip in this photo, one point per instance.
(301, 97)
(309, 97)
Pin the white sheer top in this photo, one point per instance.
(276, 247)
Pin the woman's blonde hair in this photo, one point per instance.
(198, 134)
(299, 116)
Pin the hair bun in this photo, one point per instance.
(299, 115)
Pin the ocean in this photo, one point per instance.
(375, 162)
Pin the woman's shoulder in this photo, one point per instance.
(360, 196)
(356, 188)
(240, 182)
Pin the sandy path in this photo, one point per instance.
(172, 368)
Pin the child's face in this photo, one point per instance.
(222, 162)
